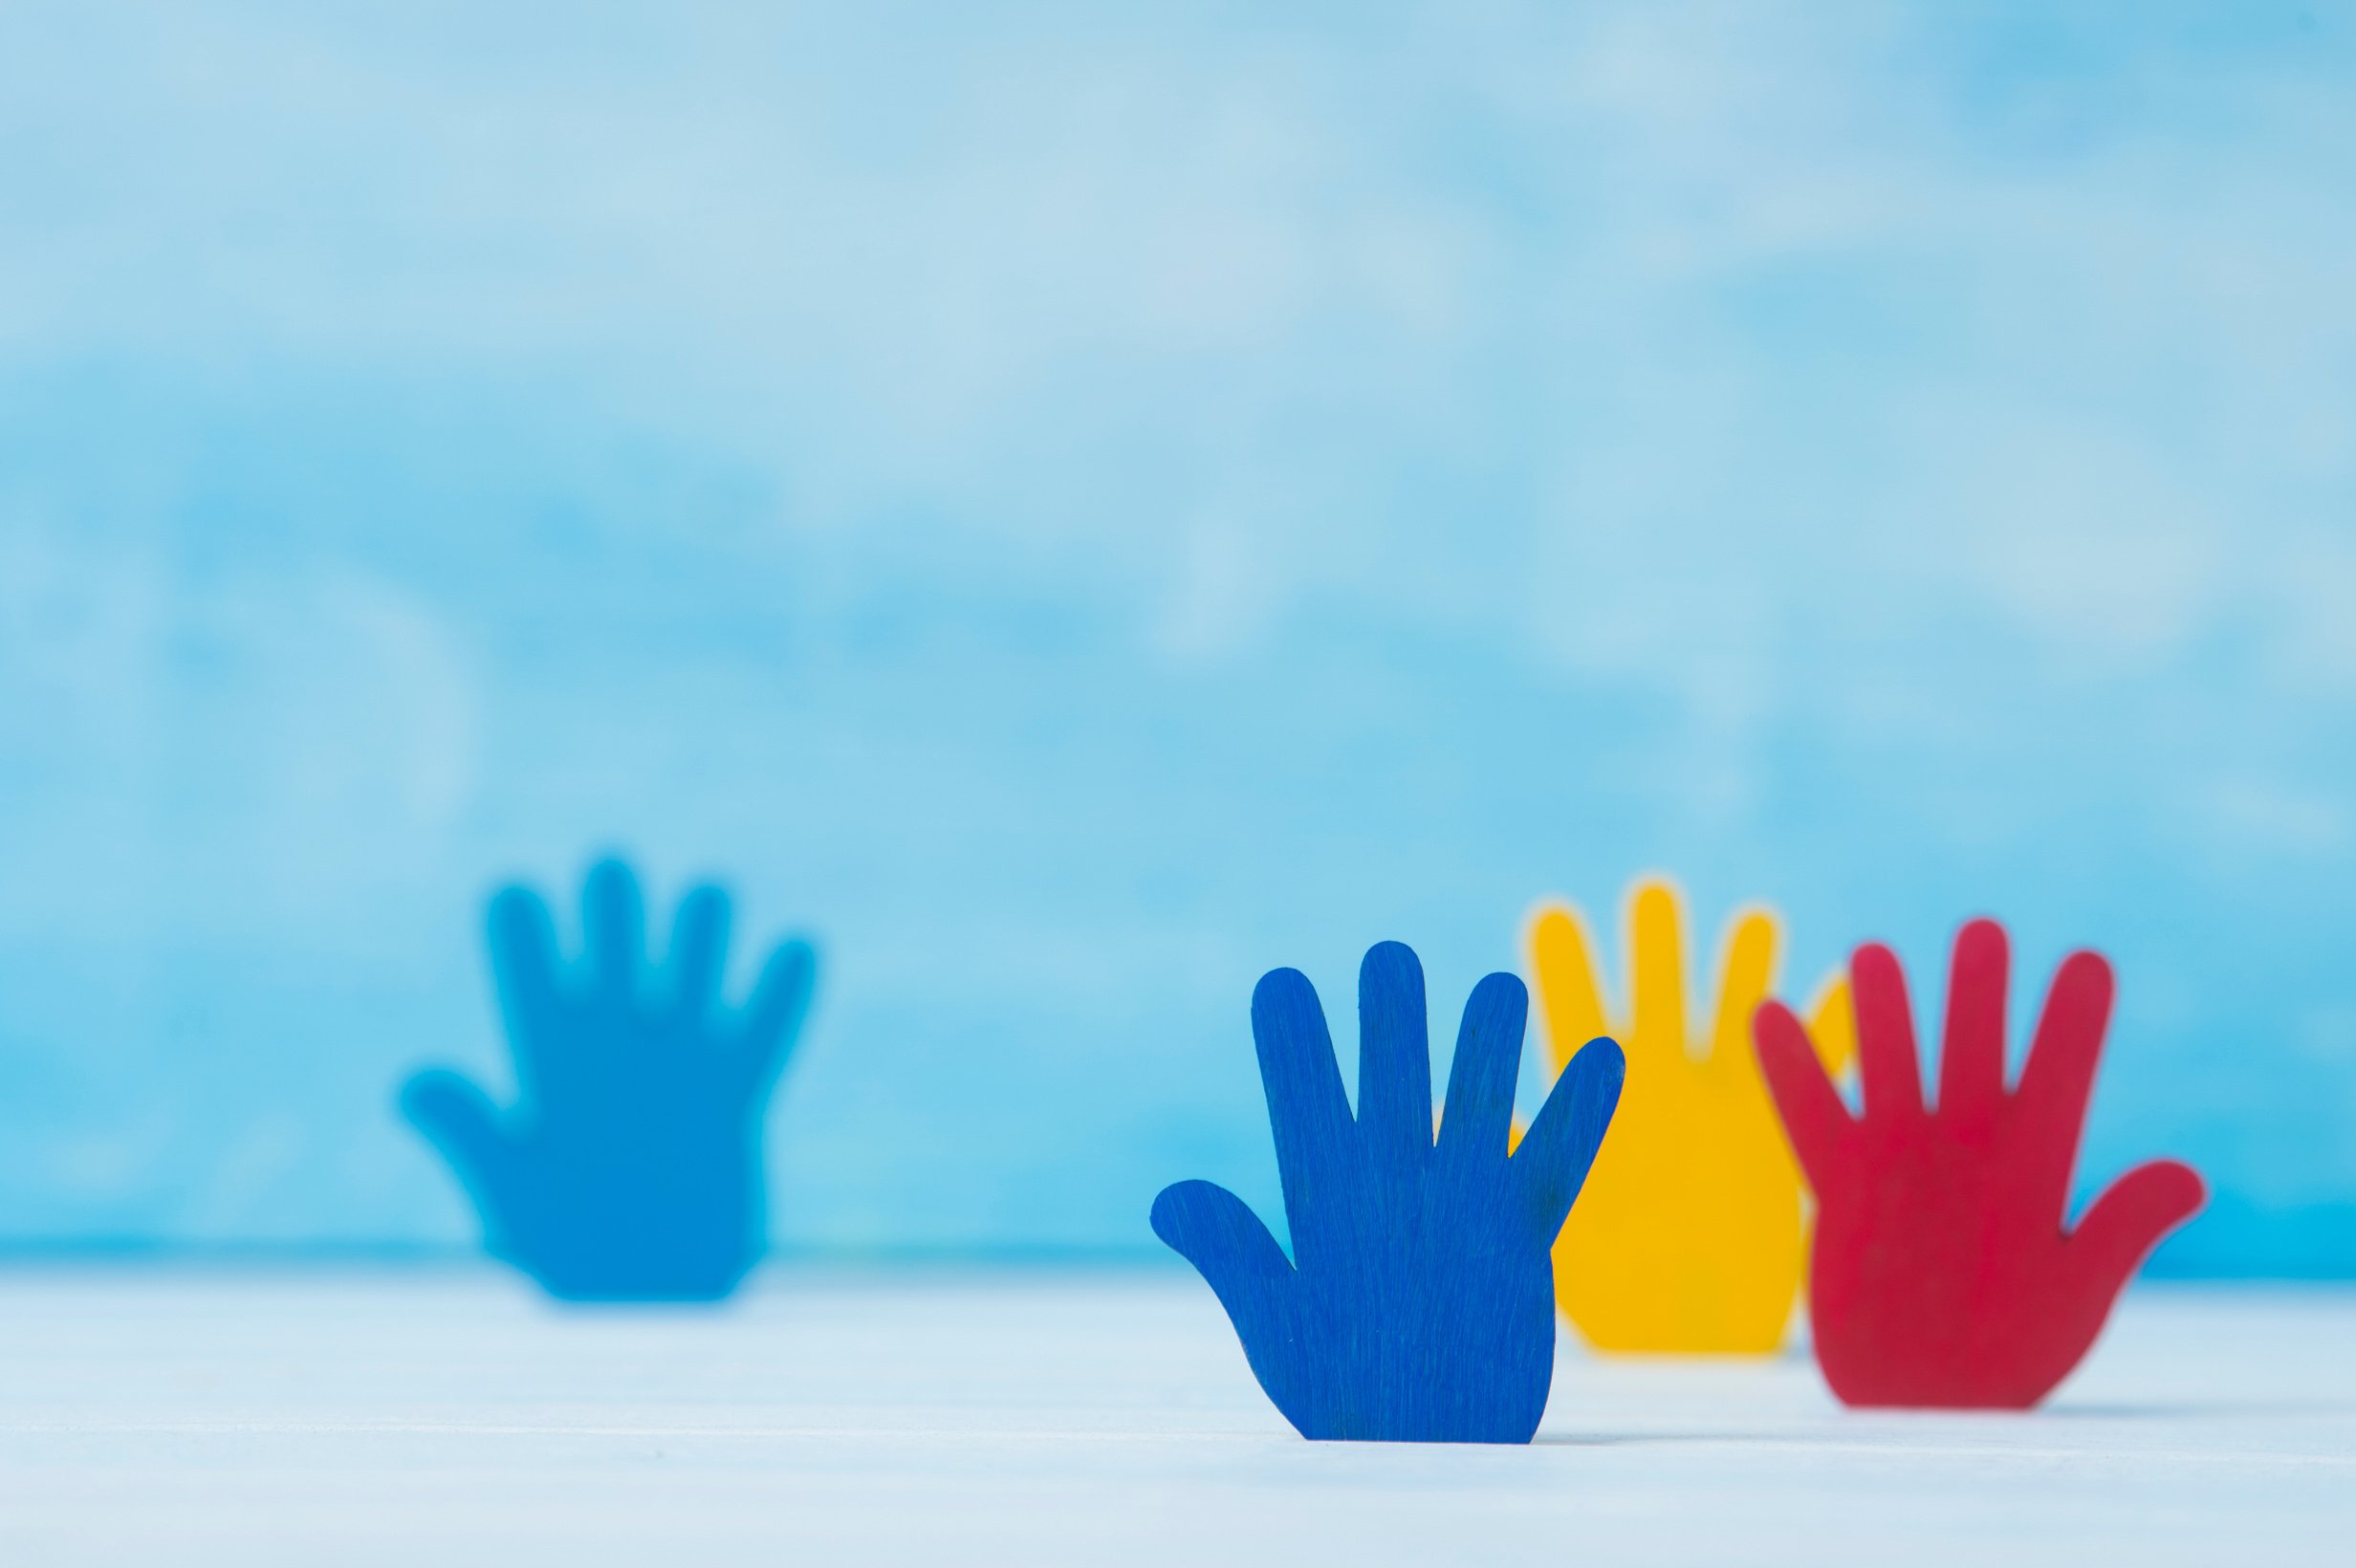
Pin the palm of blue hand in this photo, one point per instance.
(631, 1167)
(1419, 1303)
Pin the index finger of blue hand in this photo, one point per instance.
(1295, 1053)
(523, 949)
(1481, 1080)
(1308, 1115)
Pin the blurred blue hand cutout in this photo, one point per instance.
(1419, 1302)
(630, 1167)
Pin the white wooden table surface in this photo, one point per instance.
(449, 1417)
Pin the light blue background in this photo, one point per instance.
(1079, 511)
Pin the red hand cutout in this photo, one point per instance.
(1942, 1275)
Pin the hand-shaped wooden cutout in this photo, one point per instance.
(1688, 1237)
(1417, 1305)
(1942, 1273)
(630, 1167)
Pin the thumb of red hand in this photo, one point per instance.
(2120, 1229)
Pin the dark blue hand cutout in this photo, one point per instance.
(1419, 1304)
(630, 1169)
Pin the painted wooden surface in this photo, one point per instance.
(1943, 1272)
(1418, 1305)
(630, 1167)
(463, 1422)
(1689, 1236)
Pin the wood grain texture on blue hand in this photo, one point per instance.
(629, 1168)
(1418, 1304)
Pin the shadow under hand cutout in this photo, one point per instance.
(1942, 1276)
(1418, 1305)
(630, 1167)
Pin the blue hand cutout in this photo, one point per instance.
(1419, 1304)
(630, 1169)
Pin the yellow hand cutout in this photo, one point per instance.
(1688, 1235)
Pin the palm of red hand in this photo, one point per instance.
(1942, 1274)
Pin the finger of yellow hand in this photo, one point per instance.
(1832, 1027)
(1745, 976)
(1656, 948)
(1561, 957)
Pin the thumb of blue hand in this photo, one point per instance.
(1216, 1231)
(458, 1118)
